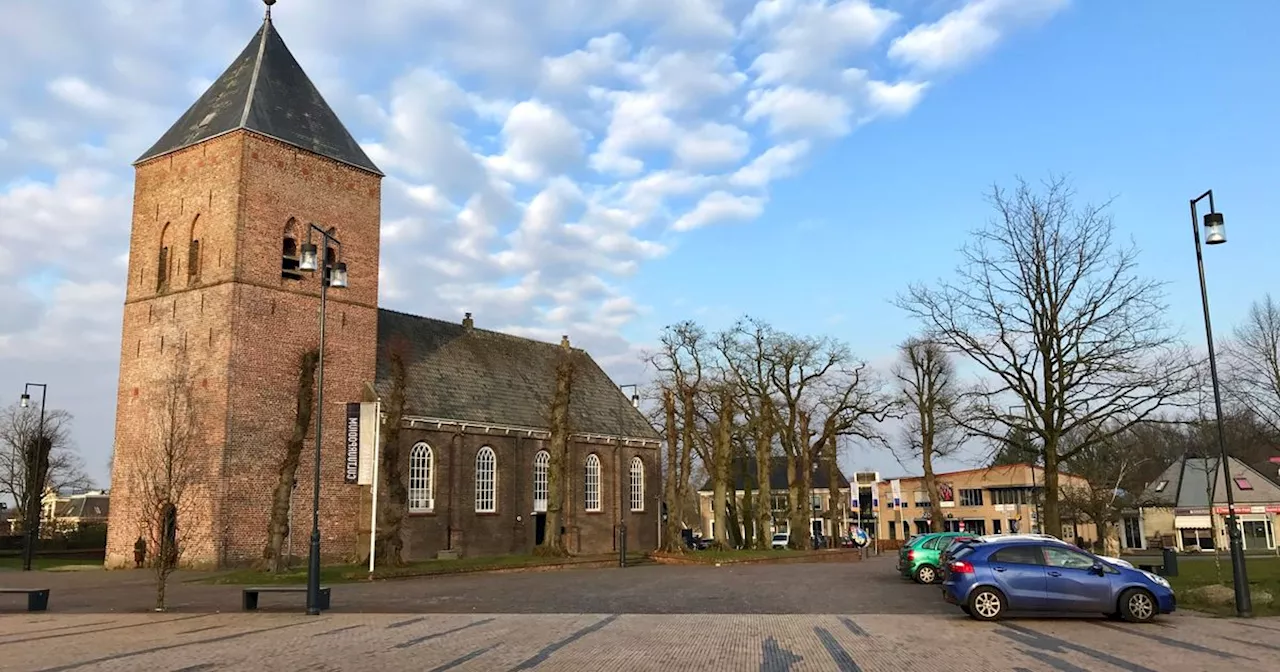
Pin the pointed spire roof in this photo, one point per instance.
(265, 91)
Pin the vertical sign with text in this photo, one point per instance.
(352, 435)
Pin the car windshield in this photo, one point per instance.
(780, 536)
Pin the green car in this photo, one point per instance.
(918, 559)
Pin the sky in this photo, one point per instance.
(604, 169)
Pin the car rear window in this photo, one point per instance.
(1018, 555)
(962, 552)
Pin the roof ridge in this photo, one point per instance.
(257, 69)
(493, 332)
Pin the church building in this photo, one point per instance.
(221, 322)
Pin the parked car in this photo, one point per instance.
(921, 561)
(1049, 537)
(989, 580)
(781, 539)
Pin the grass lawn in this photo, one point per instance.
(1264, 575)
(353, 573)
(14, 562)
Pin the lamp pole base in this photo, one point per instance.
(1240, 576)
(313, 574)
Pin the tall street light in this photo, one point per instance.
(34, 460)
(635, 394)
(1215, 234)
(335, 275)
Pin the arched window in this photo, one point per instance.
(289, 252)
(193, 253)
(486, 481)
(421, 470)
(164, 262)
(541, 466)
(637, 484)
(591, 483)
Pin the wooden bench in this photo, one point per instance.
(249, 598)
(37, 598)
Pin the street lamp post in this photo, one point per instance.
(1215, 234)
(35, 462)
(635, 396)
(334, 274)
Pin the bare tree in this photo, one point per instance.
(1111, 473)
(929, 395)
(1052, 310)
(30, 466)
(553, 541)
(287, 474)
(169, 470)
(1253, 362)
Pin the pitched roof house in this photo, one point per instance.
(1186, 506)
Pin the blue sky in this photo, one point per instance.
(518, 146)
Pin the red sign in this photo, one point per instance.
(1273, 509)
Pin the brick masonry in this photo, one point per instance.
(512, 527)
(244, 328)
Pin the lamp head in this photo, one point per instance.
(635, 400)
(338, 275)
(25, 400)
(1215, 231)
(308, 260)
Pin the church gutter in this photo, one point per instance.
(413, 422)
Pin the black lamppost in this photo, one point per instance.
(1215, 234)
(34, 460)
(335, 275)
(635, 394)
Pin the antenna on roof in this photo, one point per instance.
(268, 3)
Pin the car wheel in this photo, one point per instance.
(926, 574)
(1137, 606)
(986, 604)
(965, 608)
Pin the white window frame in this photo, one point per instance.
(422, 494)
(490, 488)
(541, 470)
(591, 485)
(637, 484)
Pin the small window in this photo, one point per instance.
(193, 261)
(486, 481)
(1018, 555)
(1243, 483)
(1161, 486)
(971, 497)
(162, 272)
(541, 469)
(289, 260)
(591, 483)
(420, 468)
(637, 484)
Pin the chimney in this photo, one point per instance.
(564, 341)
(468, 323)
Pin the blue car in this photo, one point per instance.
(992, 579)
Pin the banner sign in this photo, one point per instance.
(351, 434)
(896, 486)
(369, 437)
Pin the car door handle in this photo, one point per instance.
(999, 569)
(1055, 573)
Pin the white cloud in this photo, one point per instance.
(535, 160)
(720, 206)
(968, 33)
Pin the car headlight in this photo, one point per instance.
(1157, 579)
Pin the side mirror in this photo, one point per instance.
(1098, 569)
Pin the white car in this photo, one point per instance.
(781, 539)
(1048, 537)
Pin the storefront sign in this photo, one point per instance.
(352, 435)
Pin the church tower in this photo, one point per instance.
(218, 316)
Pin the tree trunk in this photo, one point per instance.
(931, 484)
(721, 450)
(686, 443)
(393, 503)
(1051, 523)
(672, 540)
(282, 496)
(553, 543)
(764, 469)
(806, 484)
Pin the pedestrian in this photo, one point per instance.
(139, 552)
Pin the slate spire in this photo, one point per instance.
(265, 91)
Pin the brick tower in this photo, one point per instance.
(216, 308)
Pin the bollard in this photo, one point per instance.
(622, 545)
(1170, 567)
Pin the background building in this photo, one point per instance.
(1186, 507)
(822, 520)
(991, 500)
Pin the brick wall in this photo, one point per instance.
(246, 328)
(511, 528)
